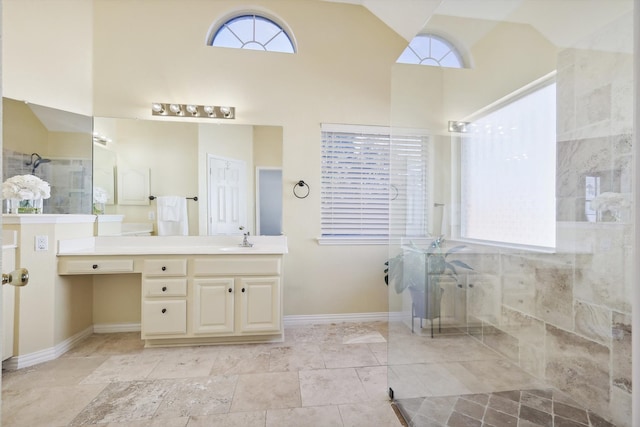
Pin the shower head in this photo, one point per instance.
(36, 160)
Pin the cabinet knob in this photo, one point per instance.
(94, 266)
(471, 285)
(164, 289)
(164, 310)
(164, 268)
(230, 290)
(460, 285)
(242, 289)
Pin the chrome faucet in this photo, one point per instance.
(245, 243)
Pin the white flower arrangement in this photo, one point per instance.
(25, 187)
(100, 195)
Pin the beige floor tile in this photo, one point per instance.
(501, 375)
(363, 338)
(380, 351)
(125, 402)
(108, 345)
(425, 379)
(266, 391)
(237, 360)
(369, 414)
(236, 419)
(183, 365)
(58, 372)
(374, 381)
(348, 356)
(317, 416)
(46, 406)
(124, 368)
(295, 358)
(154, 422)
(198, 396)
(331, 387)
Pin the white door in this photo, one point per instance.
(213, 304)
(260, 310)
(227, 195)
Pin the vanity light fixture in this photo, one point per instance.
(205, 111)
(459, 127)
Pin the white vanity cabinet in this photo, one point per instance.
(164, 297)
(237, 295)
(192, 292)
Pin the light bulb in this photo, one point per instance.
(209, 110)
(192, 109)
(175, 108)
(226, 111)
(157, 107)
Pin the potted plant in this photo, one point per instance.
(420, 270)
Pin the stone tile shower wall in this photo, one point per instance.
(70, 180)
(566, 317)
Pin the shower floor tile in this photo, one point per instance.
(518, 408)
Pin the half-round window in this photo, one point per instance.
(253, 32)
(429, 49)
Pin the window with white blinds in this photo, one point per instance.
(357, 177)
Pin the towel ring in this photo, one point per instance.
(301, 183)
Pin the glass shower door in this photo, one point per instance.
(536, 333)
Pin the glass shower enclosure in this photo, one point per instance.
(512, 304)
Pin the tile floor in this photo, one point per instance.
(322, 375)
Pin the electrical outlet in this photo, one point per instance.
(152, 215)
(42, 243)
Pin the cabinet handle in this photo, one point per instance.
(94, 266)
(242, 289)
(230, 290)
(164, 289)
(471, 285)
(164, 310)
(460, 285)
(164, 268)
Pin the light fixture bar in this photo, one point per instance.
(458, 127)
(191, 110)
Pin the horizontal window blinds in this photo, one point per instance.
(356, 175)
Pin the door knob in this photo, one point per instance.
(19, 277)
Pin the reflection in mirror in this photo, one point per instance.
(33, 134)
(190, 159)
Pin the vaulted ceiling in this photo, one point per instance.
(562, 22)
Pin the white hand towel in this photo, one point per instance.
(173, 218)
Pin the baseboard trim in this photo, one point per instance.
(47, 354)
(108, 328)
(307, 319)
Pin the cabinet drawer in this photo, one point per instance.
(174, 287)
(96, 266)
(238, 266)
(166, 267)
(161, 317)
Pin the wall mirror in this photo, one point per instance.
(54, 145)
(219, 163)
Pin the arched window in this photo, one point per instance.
(253, 32)
(429, 49)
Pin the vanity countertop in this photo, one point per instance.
(171, 245)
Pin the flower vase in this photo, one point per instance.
(30, 206)
(98, 208)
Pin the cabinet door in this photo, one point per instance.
(260, 310)
(213, 301)
(164, 317)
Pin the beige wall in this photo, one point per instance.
(26, 134)
(47, 53)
